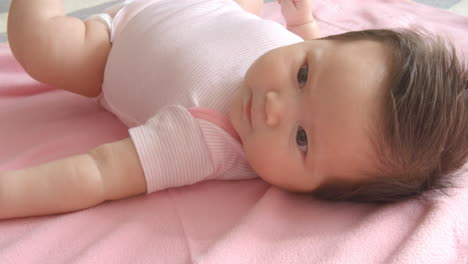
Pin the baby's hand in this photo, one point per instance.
(296, 12)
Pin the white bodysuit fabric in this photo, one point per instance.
(170, 56)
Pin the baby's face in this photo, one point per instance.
(306, 112)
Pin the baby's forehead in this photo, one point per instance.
(352, 53)
(351, 67)
(344, 105)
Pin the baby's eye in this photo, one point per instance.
(302, 75)
(301, 139)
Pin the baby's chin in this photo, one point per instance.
(235, 110)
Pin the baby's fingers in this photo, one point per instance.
(288, 4)
(303, 4)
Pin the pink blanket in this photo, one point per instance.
(218, 222)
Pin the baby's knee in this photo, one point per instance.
(251, 6)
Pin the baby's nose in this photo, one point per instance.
(274, 109)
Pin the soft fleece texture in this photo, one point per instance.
(219, 222)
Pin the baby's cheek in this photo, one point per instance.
(257, 157)
(265, 162)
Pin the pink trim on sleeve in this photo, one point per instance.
(216, 118)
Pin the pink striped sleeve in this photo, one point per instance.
(226, 153)
(176, 149)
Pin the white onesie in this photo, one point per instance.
(170, 75)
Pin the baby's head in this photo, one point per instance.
(375, 115)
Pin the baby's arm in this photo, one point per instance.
(299, 18)
(108, 172)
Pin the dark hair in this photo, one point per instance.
(421, 137)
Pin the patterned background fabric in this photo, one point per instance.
(85, 8)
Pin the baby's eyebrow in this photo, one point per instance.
(312, 63)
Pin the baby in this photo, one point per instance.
(211, 91)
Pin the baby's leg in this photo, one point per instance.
(58, 50)
(251, 6)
